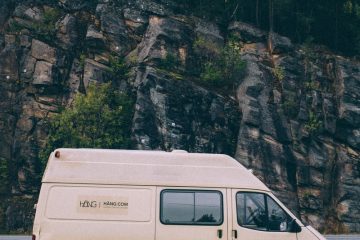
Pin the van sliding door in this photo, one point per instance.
(256, 216)
(191, 214)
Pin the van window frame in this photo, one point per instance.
(266, 209)
(192, 191)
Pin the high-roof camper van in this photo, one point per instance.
(93, 194)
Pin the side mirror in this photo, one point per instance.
(294, 227)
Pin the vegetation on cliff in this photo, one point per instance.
(99, 119)
(222, 67)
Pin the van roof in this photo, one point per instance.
(152, 168)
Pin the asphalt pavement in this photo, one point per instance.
(14, 237)
(343, 237)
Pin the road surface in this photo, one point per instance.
(343, 237)
(329, 237)
(13, 237)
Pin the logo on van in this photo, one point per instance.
(115, 204)
(103, 204)
(88, 204)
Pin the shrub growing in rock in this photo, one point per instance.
(212, 74)
(14, 27)
(46, 29)
(82, 58)
(99, 119)
(278, 73)
(223, 69)
(170, 62)
(118, 66)
(313, 125)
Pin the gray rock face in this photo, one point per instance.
(135, 19)
(67, 34)
(4, 13)
(33, 13)
(164, 37)
(281, 44)
(251, 34)
(43, 74)
(180, 115)
(292, 117)
(247, 32)
(42, 51)
(75, 5)
(114, 28)
(9, 62)
(95, 38)
(94, 72)
(2, 41)
(276, 137)
(151, 7)
(209, 32)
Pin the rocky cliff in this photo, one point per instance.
(293, 115)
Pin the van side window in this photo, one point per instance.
(183, 207)
(259, 211)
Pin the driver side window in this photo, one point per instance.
(259, 211)
(251, 210)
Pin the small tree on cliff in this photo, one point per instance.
(99, 119)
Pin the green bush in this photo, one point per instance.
(100, 119)
(313, 124)
(51, 16)
(225, 68)
(82, 58)
(119, 67)
(278, 73)
(14, 27)
(231, 60)
(45, 29)
(170, 62)
(212, 74)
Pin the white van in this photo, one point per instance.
(93, 194)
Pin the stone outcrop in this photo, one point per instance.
(293, 116)
(173, 114)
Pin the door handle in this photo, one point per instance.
(219, 233)
(234, 232)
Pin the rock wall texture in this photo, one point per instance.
(293, 116)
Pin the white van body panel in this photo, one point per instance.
(78, 212)
(97, 194)
(152, 168)
(99, 203)
(309, 232)
(315, 232)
